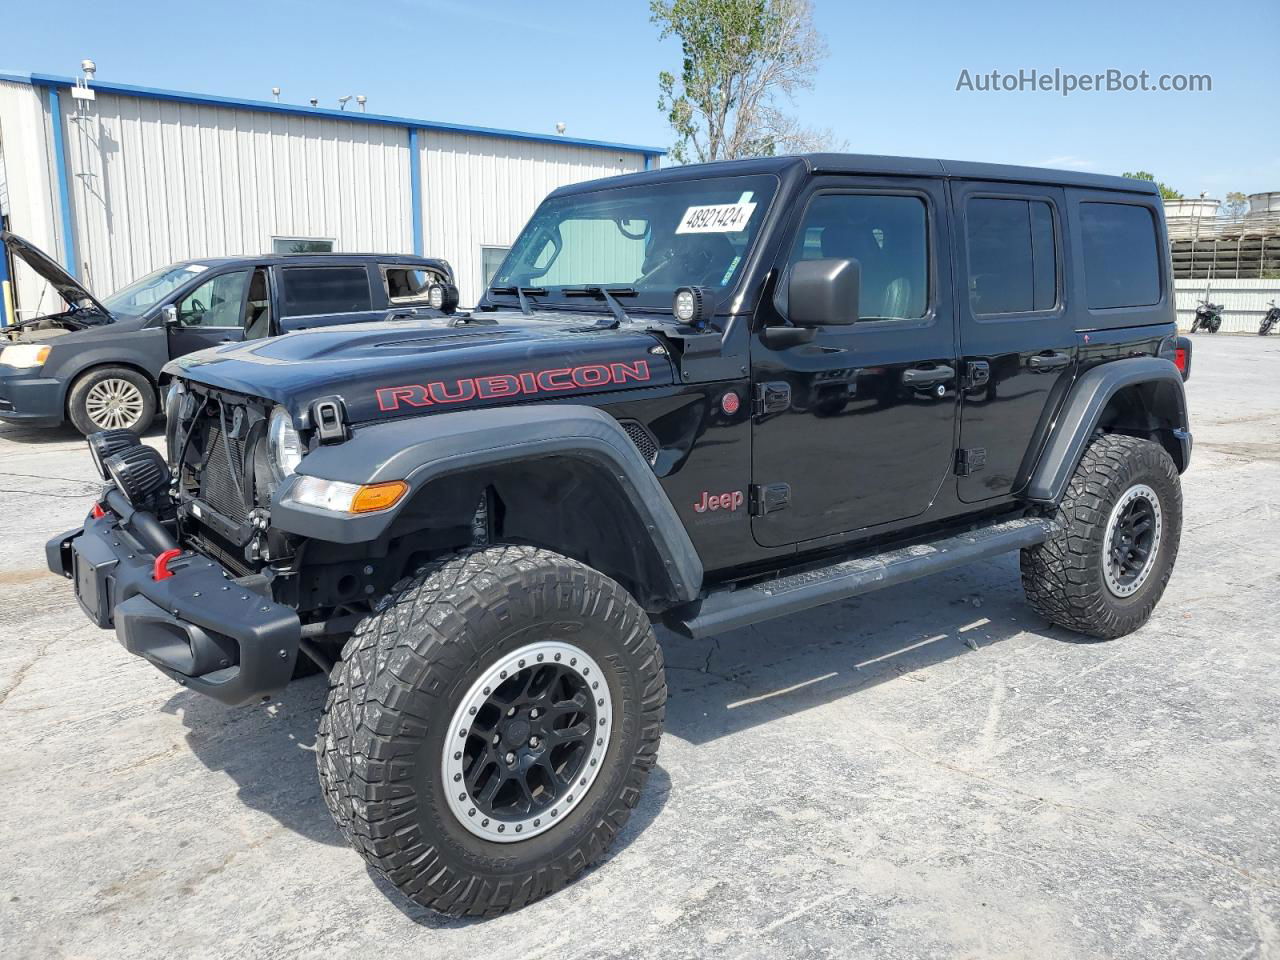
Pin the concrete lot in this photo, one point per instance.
(925, 772)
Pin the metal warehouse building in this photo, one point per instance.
(131, 179)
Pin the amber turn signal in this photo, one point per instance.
(378, 496)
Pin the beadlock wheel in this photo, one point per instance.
(530, 738)
(1132, 540)
(114, 403)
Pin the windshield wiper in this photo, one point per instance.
(608, 294)
(522, 294)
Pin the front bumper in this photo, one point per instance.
(199, 626)
(29, 399)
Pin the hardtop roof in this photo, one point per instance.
(872, 164)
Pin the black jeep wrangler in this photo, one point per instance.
(702, 397)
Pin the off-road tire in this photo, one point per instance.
(406, 669)
(78, 396)
(1064, 578)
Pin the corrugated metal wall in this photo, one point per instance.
(28, 162)
(1244, 302)
(156, 181)
(478, 191)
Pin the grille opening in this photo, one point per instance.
(645, 441)
(217, 485)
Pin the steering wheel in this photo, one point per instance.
(198, 309)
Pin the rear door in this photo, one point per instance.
(858, 422)
(320, 295)
(1017, 329)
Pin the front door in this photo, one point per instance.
(858, 422)
(1017, 334)
(211, 314)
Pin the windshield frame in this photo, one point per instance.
(189, 269)
(553, 296)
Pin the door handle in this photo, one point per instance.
(927, 376)
(1043, 362)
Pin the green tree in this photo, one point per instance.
(740, 61)
(1166, 192)
(1236, 206)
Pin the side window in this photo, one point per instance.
(406, 284)
(887, 234)
(1013, 261)
(215, 303)
(313, 290)
(257, 314)
(1121, 265)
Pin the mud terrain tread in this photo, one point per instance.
(1062, 577)
(404, 657)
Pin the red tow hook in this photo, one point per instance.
(97, 512)
(160, 569)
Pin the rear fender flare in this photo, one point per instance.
(1082, 412)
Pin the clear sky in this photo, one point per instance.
(888, 86)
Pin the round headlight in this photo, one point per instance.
(106, 444)
(435, 296)
(172, 398)
(286, 445)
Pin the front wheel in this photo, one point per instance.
(1118, 528)
(490, 728)
(111, 398)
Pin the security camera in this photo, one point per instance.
(315, 101)
(89, 67)
(275, 92)
(362, 100)
(342, 102)
(560, 128)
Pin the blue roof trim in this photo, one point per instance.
(268, 106)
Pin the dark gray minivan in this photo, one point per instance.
(98, 362)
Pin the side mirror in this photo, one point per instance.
(824, 293)
(169, 315)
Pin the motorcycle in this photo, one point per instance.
(1270, 320)
(1208, 316)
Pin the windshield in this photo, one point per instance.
(649, 238)
(138, 297)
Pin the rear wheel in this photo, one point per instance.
(112, 398)
(490, 728)
(1117, 536)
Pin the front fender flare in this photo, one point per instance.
(419, 450)
(1083, 410)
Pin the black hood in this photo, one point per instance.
(66, 285)
(414, 367)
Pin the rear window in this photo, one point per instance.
(1121, 265)
(312, 290)
(1013, 262)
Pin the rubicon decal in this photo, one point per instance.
(719, 501)
(503, 385)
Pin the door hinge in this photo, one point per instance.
(769, 498)
(773, 397)
(970, 460)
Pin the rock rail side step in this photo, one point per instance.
(727, 609)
